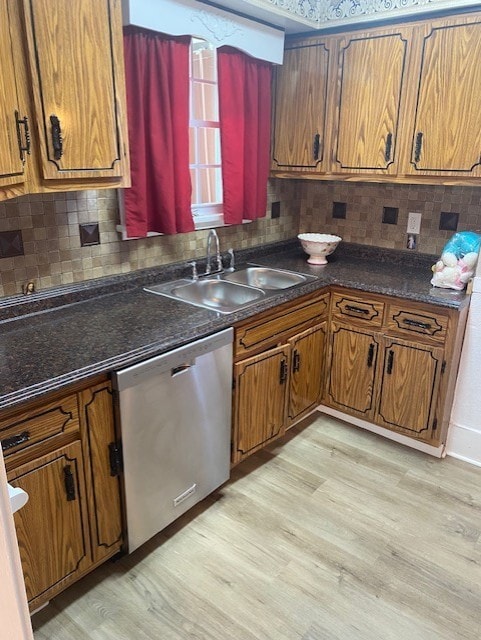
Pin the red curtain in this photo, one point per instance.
(245, 116)
(157, 80)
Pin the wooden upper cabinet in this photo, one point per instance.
(446, 135)
(301, 85)
(11, 164)
(74, 61)
(370, 88)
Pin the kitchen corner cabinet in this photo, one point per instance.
(300, 104)
(394, 363)
(278, 372)
(63, 96)
(59, 451)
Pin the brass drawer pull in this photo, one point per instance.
(15, 440)
(416, 323)
(350, 307)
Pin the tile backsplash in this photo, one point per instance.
(53, 227)
(366, 203)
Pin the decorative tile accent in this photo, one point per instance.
(448, 221)
(11, 244)
(89, 234)
(390, 215)
(339, 210)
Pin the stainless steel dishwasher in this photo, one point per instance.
(175, 415)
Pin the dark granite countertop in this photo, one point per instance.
(65, 335)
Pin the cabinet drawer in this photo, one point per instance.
(30, 427)
(363, 310)
(412, 322)
(267, 330)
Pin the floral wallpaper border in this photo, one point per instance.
(322, 13)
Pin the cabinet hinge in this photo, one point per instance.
(115, 457)
(435, 424)
(443, 366)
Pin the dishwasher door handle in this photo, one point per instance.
(182, 368)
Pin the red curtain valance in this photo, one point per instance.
(157, 82)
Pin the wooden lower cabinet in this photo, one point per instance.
(352, 369)
(261, 385)
(62, 451)
(103, 469)
(410, 375)
(52, 528)
(394, 363)
(278, 371)
(307, 370)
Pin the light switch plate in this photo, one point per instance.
(414, 222)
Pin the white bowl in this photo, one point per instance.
(318, 246)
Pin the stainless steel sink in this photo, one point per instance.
(215, 294)
(266, 278)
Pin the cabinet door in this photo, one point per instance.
(11, 164)
(103, 470)
(371, 86)
(409, 385)
(352, 366)
(52, 528)
(446, 137)
(75, 57)
(300, 108)
(307, 366)
(261, 385)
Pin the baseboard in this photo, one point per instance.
(437, 452)
(464, 443)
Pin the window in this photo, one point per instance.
(205, 155)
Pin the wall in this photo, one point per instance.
(53, 255)
(364, 211)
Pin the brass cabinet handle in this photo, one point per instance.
(418, 147)
(22, 147)
(387, 153)
(69, 483)
(57, 141)
(390, 362)
(317, 146)
(296, 361)
(370, 355)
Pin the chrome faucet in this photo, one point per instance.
(208, 268)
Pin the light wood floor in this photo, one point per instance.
(333, 534)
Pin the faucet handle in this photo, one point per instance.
(232, 259)
(195, 275)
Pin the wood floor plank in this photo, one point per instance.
(333, 533)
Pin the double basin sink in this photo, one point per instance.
(229, 292)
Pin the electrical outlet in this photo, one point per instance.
(414, 222)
